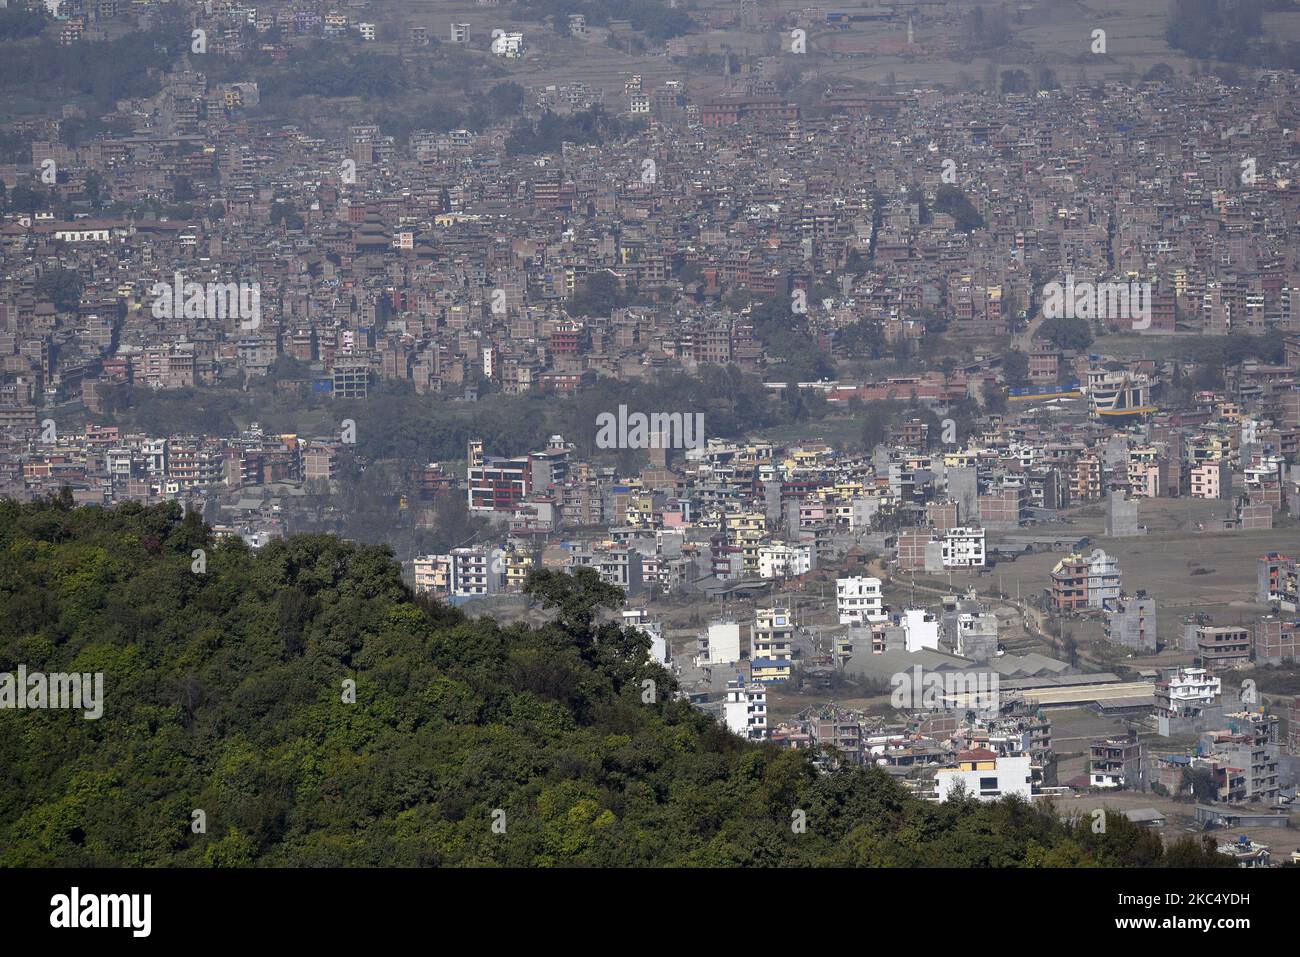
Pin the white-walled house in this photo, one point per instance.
(986, 776)
(652, 628)
(920, 630)
(720, 645)
(859, 600)
(963, 548)
(745, 709)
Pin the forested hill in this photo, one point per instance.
(224, 693)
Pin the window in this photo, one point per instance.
(988, 784)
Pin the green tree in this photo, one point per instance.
(61, 287)
(1015, 369)
(1066, 333)
(951, 200)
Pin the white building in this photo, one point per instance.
(858, 600)
(652, 628)
(779, 560)
(90, 235)
(984, 775)
(1188, 690)
(476, 571)
(745, 709)
(920, 630)
(977, 634)
(963, 548)
(1103, 579)
(721, 646)
(470, 572)
(508, 45)
(863, 510)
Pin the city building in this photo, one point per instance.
(745, 709)
(985, 775)
(859, 600)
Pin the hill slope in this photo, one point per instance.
(224, 692)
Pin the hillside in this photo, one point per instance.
(224, 693)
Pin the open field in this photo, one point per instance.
(1184, 567)
(1057, 35)
(1181, 819)
(833, 430)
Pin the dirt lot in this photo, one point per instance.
(1055, 34)
(1181, 821)
(1184, 568)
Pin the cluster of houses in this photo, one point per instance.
(444, 258)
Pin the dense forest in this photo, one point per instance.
(225, 693)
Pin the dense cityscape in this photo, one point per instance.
(717, 434)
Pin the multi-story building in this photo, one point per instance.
(779, 560)
(510, 45)
(985, 775)
(771, 644)
(1079, 582)
(920, 630)
(433, 575)
(320, 461)
(639, 619)
(720, 645)
(468, 572)
(842, 732)
(1186, 693)
(913, 543)
(1257, 764)
(745, 709)
(1103, 579)
(1004, 507)
(1068, 591)
(963, 547)
(1278, 581)
(496, 483)
(1131, 621)
(977, 635)
(351, 377)
(1211, 480)
(859, 600)
(1222, 646)
(618, 565)
(476, 571)
(1277, 640)
(1087, 478)
(1116, 762)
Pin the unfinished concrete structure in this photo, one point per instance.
(1122, 516)
(1131, 622)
